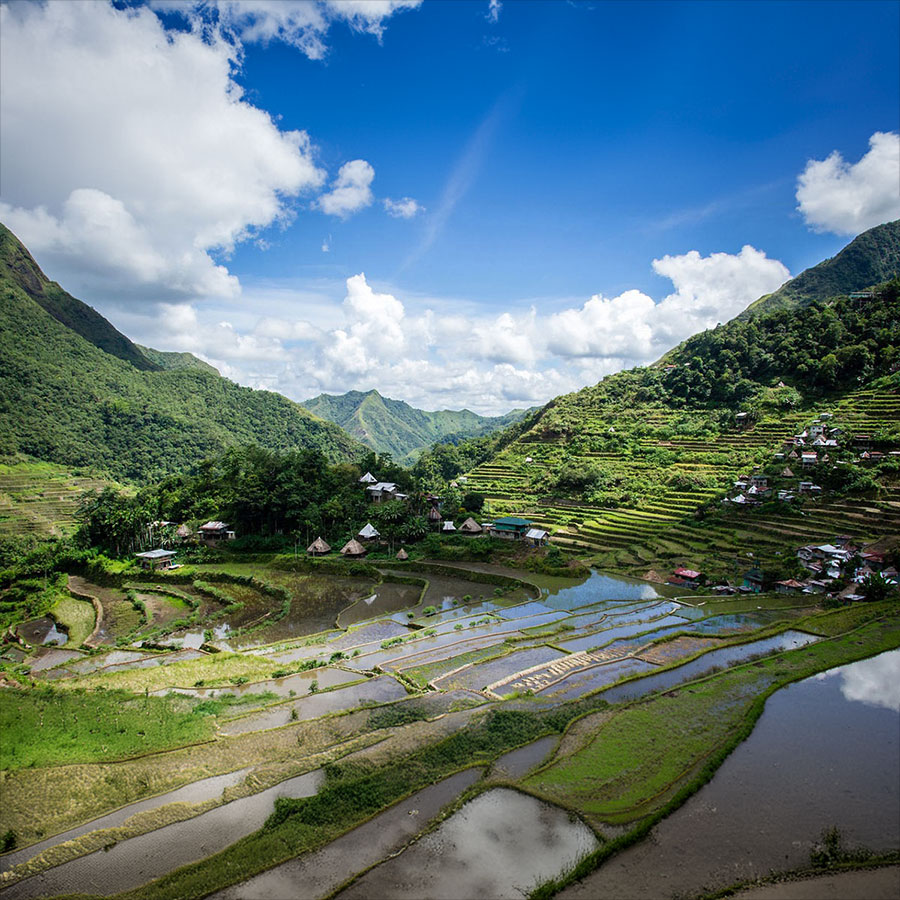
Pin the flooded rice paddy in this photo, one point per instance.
(381, 689)
(501, 844)
(317, 874)
(42, 631)
(196, 792)
(826, 751)
(147, 856)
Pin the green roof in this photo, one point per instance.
(512, 521)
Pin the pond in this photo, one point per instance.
(826, 751)
(501, 844)
(387, 598)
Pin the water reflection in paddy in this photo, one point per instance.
(140, 859)
(501, 844)
(826, 751)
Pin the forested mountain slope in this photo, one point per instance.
(395, 427)
(871, 258)
(635, 467)
(76, 392)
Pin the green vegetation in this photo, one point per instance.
(44, 726)
(396, 428)
(78, 618)
(78, 393)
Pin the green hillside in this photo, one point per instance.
(870, 259)
(635, 468)
(395, 427)
(75, 392)
(169, 360)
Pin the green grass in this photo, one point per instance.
(78, 617)
(48, 727)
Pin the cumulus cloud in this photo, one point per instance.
(486, 362)
(351, 190)
(402, 209)
(130, 158)
(847, 198)
(303, 24)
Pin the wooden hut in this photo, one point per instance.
(470, 526)
(402, 555)
(318, 548)
(353, 549)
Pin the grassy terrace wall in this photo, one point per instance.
(658, 468)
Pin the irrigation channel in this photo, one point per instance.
(464, 646)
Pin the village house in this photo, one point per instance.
(384, 491)
(368, 478)
(448, 527)
(402, 555)
(809, 459)
(368, 532)
(353, 549)
(537, 537)
(753, 581)
(156, 559)
(214, 532)
(510, 528)
(470, 527)
(683, 577)
(434, 517)
(318, 548)
(807, 487)
(760, 482)
(790, 586)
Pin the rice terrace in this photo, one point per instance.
(467, 464)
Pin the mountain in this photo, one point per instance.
(166, 359)
(395, 427)
(636, 468)
(77, 392)
(871, 258)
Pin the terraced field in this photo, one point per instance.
(206, 739)
(41, 499)
(659, 477)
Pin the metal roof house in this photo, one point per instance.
(537, 537)
(510, 528)
(368, 533)
(156, 559)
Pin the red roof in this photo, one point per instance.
(690, 574)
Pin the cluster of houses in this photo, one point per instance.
(839, 561)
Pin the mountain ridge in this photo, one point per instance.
(396, 427)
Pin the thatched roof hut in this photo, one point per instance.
(318, 548)
(470, 526)
(352, 549)
(183, 532)
(434, 514)
(402, 555)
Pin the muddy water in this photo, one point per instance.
(517, 762)
(381, 689)
(47, 659)
(42, 631)
(583, 682)
(387, 598)
(198, 792)
(140, 859)
(826, 751)
(501, 844)
(478, 676)
(283, 687)
(725, 656)
(602, 638)
(317, 874)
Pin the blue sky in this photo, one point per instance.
(575, 187)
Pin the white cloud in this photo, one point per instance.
(444, 358)
(303, 24)
(351, 190)
(402, 209)
(130, 157)
(847, 198)
(493, 13)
